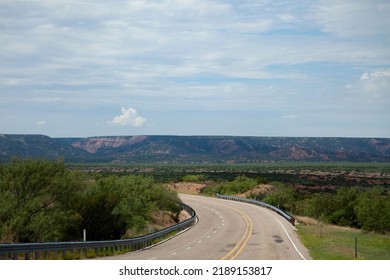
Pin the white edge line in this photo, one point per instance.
(295, 247)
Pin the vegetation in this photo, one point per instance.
(240, 184)
(325, 175)
(365, 208)
(328, 242)
(43, 201)
(48, 201)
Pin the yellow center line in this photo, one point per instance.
(245, 238)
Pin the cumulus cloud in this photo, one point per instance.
(128, 116)
(378, 81)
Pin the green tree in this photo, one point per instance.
(373, 210)
(117, 205)
(284, 198)
(343, 207)
(38, 199)
(96, 208)
(319, 206)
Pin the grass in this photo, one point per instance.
(329, 242)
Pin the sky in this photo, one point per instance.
(82, 68)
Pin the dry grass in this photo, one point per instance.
(307, 221)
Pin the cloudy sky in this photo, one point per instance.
(195, 67)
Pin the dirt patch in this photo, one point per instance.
(186, 187)
(258, 190)
(163, 219)
(184, 216)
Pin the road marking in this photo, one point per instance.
(188, 248)
(245, 238)
(295, 247)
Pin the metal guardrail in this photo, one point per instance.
(35, 250)
(288, 217)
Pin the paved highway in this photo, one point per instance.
(228, 230)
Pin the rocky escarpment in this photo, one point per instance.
(94, 144)
(201, 149)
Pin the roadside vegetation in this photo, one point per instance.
(367, 209)
(330, 242)
(49, 201)
(43, 201)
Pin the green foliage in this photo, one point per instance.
(37, 201)
(193, 178)
(369, 209)
(336, 208)
(373, 210)
(284, 198)
(43, 201)
(240, 184)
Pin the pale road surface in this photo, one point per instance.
(228, 230)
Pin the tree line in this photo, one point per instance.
(42, 201)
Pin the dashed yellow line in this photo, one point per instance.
(236, 251)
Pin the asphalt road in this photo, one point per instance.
(228, 230)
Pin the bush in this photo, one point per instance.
(373, 210)
(193, 178)
(285, 198)
(239, 185)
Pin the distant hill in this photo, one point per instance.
(38, 146)
(204, 149)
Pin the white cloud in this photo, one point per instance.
(188, 55)
(375, 82)
(129, 116)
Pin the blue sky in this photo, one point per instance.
(195, 67)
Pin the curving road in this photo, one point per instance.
(228, 230)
